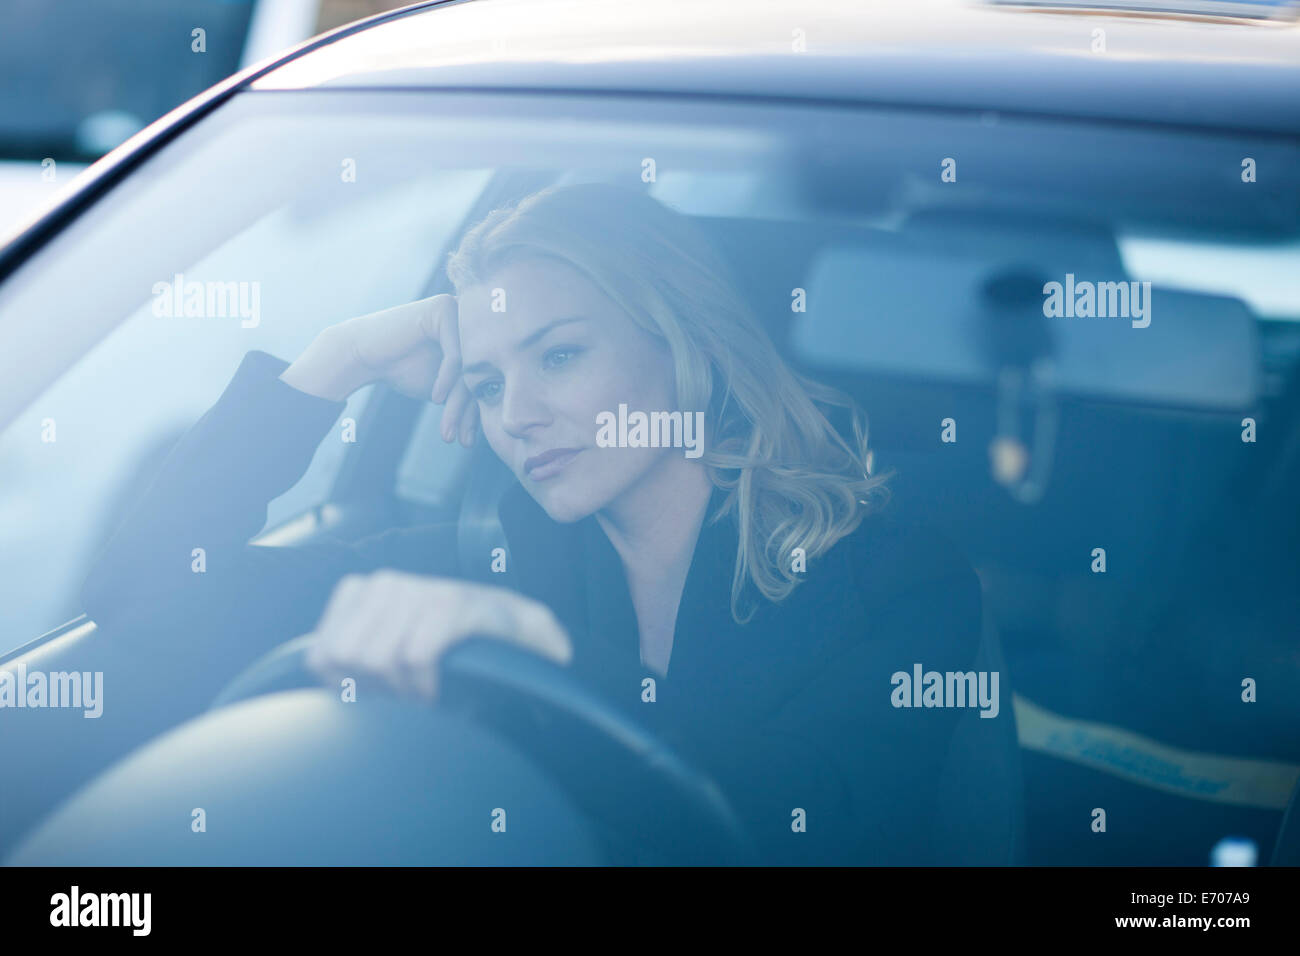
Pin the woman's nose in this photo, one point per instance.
(522, 408)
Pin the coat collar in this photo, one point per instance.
(722, 675)
(576, 571)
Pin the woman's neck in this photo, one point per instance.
(654, 527)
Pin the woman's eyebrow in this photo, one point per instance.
(530, 339)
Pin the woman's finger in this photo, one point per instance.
(469, 424)
(525, 622)
(385, 337)
(355, 613)
(375, 648)
(365, 642)
(420, 655)
(485, 612)
(540, 630)
(455, 411)
(343, 601)
(449, 342)
(397, 627)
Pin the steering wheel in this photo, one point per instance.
(618, 773)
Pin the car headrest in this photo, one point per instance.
(952, 293)
(962, 319)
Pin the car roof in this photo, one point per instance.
(1176, 70)
(1167, 68)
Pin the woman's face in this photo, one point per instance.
(542, 369)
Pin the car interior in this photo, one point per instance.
(1127, 685)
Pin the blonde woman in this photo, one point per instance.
(739, 586)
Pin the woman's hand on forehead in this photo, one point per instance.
(413, 348)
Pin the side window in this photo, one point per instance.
(430, 466)
(79, 456)
(314, 486)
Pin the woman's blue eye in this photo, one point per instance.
(491, 390)
(559, 356)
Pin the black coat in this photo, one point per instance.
(792, 710)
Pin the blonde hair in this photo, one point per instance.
(792, 480)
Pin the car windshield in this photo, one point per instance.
(312, 208)
(1075, 344)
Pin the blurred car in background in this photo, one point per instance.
(77, 77)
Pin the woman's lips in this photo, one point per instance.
(549, 463)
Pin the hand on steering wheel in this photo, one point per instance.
(395, 627)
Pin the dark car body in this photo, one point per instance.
(1190, 84)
